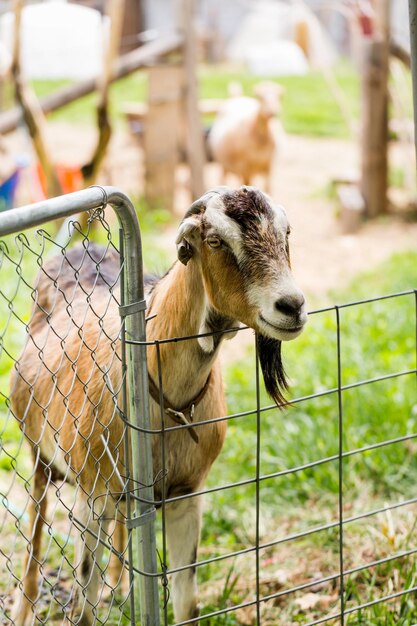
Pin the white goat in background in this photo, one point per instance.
(233, 266)
(246, 134)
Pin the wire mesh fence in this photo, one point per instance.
(328, 571)
(309, 513)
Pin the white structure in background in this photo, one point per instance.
(400, 24)
(267, 40)
(59, 40)
(5, 60)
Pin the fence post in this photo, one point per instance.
(133, 310)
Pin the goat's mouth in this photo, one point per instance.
(284, 333)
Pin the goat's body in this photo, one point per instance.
(66, 388)
(187, 463)
(64, 361)
(244, 140)
(69, 378)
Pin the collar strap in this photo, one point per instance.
(184, 415)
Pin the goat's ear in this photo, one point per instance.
(186, 233)
(190, 226)
(184, 251)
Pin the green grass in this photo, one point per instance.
(376, 339)
(308, 107)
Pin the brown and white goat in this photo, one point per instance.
(245, 135)
(233, 267)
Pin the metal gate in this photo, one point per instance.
(29, 277)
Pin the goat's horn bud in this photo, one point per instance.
(200, 205)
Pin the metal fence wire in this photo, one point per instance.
(289, 536)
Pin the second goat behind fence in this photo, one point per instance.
(233, 266)
(246, 134)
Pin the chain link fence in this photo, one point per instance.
(67, 305)
(73, 346)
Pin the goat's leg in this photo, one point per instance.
(89, 551)
(23, 609)
(117, 571)
(183, 521)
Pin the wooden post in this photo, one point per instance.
(375, 72)
(374, 129)
(194, 139)
(115, 11)
(132, 25)
(32, 112)
(161, 135)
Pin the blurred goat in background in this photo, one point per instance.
(245, 135)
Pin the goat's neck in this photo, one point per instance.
(180, 305)
(262, 122)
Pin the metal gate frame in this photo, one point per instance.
(143, 572)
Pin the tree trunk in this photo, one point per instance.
(194, 139)
(32, 112)
(375, 114)
(115, 10)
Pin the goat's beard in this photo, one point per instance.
(269, 352)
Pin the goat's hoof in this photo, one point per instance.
(80, 616)
(189, 612)
(195, 612)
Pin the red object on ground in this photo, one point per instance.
(69, 176)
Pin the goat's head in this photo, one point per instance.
(240, 239)
(269, 95)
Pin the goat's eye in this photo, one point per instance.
(214, 241)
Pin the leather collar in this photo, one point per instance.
(184, 415)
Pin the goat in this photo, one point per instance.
(233, 267)
(244, 136)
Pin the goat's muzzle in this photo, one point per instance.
(286, 319)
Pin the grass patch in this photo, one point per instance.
(377, 339)
(308, 106)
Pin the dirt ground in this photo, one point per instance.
(323, 257)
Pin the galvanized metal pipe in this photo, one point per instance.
(17, 220)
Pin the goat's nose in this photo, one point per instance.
(290, 304)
